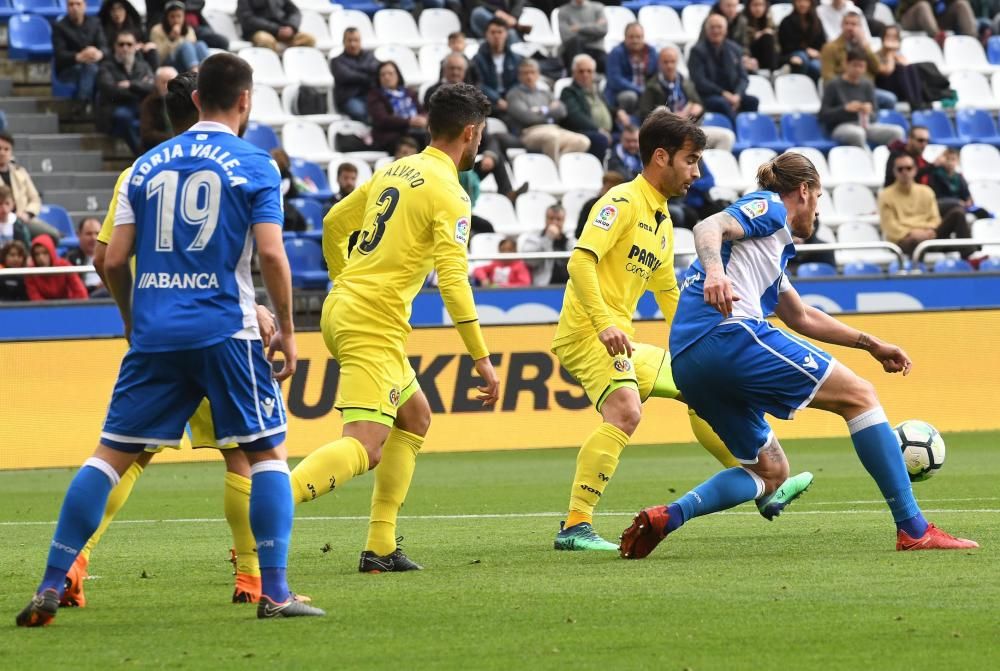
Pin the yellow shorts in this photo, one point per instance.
(375, 375)
(201, 432)
(647, 371)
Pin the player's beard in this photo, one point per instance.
(244, 122)
(468, 158)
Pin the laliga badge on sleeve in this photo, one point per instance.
(606, 217)
(755, 208)
(462, 229)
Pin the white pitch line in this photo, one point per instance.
(486, 516)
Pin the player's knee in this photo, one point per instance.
(862, 395)
(417, 421)
(627, 418)
(374, 455)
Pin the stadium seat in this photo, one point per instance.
(531, 207)
(988, 230)
(29, 38)
(321, 7)
(581, 170)
(314, 176)
(306, 140)
(816, 270)
(317, 26)
(684, 253)
(758, 130)
(822, 167)
(405, 59)
(978, 126)
(797, 93)
(663, 25)
(311, 210)
(895, 118)
(7, 10)
(57, 216)
(484, 244)
(540, 171)
(724, 168)
(224, 24)
(908, 267)
(828, 215)
(718, 121)
(573, 201)
(224, 6)
(305, 257)
(397, 27)
(858, 232)
(779, 11)
(853, 164)
(990, 265)
(855, 268)
(50, 9)
(541, 29)
(804, 130)
(430, 57)
(290, 104)
(933, 151)
(962, 52)
(693, 18)
(751, 159)
(618, 18)
(307, 66)
(436, 24)
(973, 91)
(266, 107)
(351, 127)
(986, 195)
(499, 211)
(352, 18)
(923, 49)
(267, 68)
(361, 165)
(880, 157)
(952, 266)
(261, 136)
(760, 87)
(559, 85)
(980, 162)
(61, 89)
(856, 203)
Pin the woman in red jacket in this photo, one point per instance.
(504, 273)
(50, 287)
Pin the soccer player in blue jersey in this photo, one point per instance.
(733, 366)
(190, 213)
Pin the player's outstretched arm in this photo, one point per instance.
(708, 238)
(582, 269)
(816, 324)
(119, 273)
(278, 282)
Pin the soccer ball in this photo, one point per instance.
(923, 448)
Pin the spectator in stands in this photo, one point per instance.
(273, 24)
(154, 124)
(848, 108)
(950, 186)
(11, 226)
(27, 201)
(909, 215)
(116, 15)
(738, 30)
(202, 29)
(124, 81)
(935, 18)
(51, 287)
(176, 41)
(630, 65)
(13, 254)
(456, 43)
(760, 43)
(833, 56)
(801, 36)
(716, 66)
(505, 273)
(916, 142)
(832, 15)
(587, 112)
(83, 254)
(354, 71)
(496, 65)
(406, 146)
(625, 155)
(896, 74)
(395, 110)
(582, 27)
(79, 45)
(347, 181)
(611, 179)
(294, 221)
(552, 238)
(535, 113)
(506, 12)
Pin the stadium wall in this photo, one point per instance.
(55, 393)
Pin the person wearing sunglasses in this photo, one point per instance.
(122, 83)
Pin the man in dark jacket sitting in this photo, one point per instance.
(587, 111)
(716, 66)
(273, 24)
(353, 76)
(79, 45)
(496, 65)
(124, 81)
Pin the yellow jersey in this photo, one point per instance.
(413, 217)
(630, 232)
(104, 237)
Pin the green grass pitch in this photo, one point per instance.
(819, 588)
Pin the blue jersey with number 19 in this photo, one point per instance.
(194, 200)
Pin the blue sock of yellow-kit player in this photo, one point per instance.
(271, 513)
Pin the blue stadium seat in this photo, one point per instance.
(310, 172)
(29, 38)
(758, 130)
(6, 10)
(990, 265)
(939, 125)
(311, 210)
(306, 259)
(50, 9)
(261, 136)
(93, 7)
(895, 118)
(855, 268)
(58, 217)
(816, 270)
(367, 6)
(289, 235)
(993, 50)
(978, 126)
(803, 130)
(907, 267)
(713, 119)
(61, 89)
(3, 120)
(952, 266)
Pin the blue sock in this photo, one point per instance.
(81, 514)
(271, 512)
(878, 449)
(676, 518)
(726, 489)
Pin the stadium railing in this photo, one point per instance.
(948, 244)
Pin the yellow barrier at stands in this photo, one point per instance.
(55, 394)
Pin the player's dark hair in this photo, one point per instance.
(180, 106)
(787, 172)
(663, 129)
(222, 79)
(453, 107)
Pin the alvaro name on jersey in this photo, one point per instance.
(194, 200)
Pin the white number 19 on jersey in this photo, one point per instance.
(199, 204)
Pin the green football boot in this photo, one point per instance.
(581, 537)
(791, 489)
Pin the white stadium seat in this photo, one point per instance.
(987, 229)
(797, 93)
(581, 170)
(485, 244)
(364, 170)
(395, 26)
(980, 162)
(317, 26)
(880, 157)
(618, 18)
(822, 167)
(856, 202)
(224, 25)
(405, 60)
(683, 240)
(828, 214)
(857, 232)
(541, 30)
(322, 7)
(724, 168)
(923, 49)
(662, 25)
(267, 109)
(430, 57)
(224, 6)
(693, 18)
(436, 24)
(499, 211)
(854, 165)
(760, 87)
(352, 18)
(539, 171)
(933, 151)
(996, 84)
(973, 89)
(883, 14)
(290, 102)
(573, 201)
(962, 52)
(307, 66)
(986, 195)
(750, 160)
(352, 127)
(531, 207)
(267, 68)
(779, 11)
(306, 140)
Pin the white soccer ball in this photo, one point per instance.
(923, 448)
